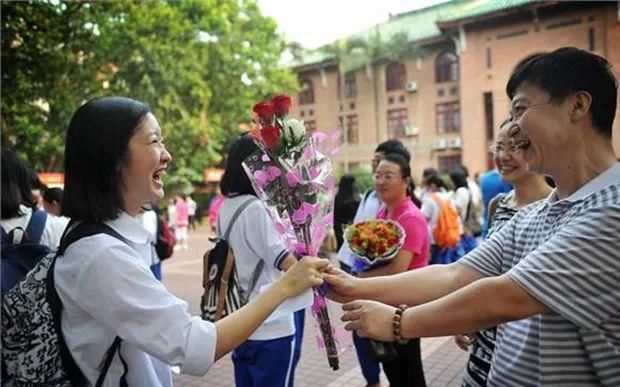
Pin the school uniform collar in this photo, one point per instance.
(130, 228)
(610, 176)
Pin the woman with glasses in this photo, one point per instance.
(394, 185)
(528, 187)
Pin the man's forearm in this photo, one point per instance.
(417, 286)
(483, 304)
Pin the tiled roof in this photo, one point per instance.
(469, 9)
(421, 24)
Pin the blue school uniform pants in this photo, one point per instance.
(260, 363)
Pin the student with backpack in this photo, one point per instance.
(442, 218)
(28, 234)
(260, 257)
(113, 322)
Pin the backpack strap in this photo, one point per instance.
(72, 234)
(238, 212)
(257, 271)
(366, 196)
(36, 225)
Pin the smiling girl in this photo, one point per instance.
(114, 162)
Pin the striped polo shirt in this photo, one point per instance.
(566, 254)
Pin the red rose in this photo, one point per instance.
(281, 104)
(271, 136)
(264, 110)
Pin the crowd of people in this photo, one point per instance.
(520, 266)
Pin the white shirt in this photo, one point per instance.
(367, 209)
(52, 231)
(191, 206)
(254, 237)
(476, 193)
(148, 219)
(430, 209)
(107, 289)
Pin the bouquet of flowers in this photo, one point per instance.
(293, 177)
(375, 242)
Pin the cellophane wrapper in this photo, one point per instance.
(298, 191)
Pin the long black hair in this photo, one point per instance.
(96, 147)
(16, 188)
(235, 181)
(346, 190)
(405, 172)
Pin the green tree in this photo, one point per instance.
(200, 64)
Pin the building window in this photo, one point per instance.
(591, 38)
(397, 122)
(350, 85)
(306, 95)
(488, 114)
(352, 106)
(448, 163)
(401, 98)
(310, 126)
(447, 67)
(302, 113)
(351, 129)
(440, 93)
(395, 76)
(448, 117)
(489, 58)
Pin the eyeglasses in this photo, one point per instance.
(511, 149)
(517, 112)
(388, 177)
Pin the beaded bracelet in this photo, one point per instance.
(398, 314)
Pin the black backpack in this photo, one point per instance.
(22, 250)
(222, 294)
(34, 352)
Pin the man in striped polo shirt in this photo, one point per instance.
(551, 276)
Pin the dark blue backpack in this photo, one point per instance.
(22, 250)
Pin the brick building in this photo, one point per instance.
(447, 103)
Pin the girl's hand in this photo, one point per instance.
(303, 275)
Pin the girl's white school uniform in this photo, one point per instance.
(253, 237)
(107, 289)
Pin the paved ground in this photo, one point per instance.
(443, 361)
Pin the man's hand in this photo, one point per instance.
(342, 286)
(370, 319)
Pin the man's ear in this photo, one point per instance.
(580, 105)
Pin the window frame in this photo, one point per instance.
(447, 67)
(306, 96)
(395, 76)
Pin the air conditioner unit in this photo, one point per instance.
(440, 143)
(454, 142)
(411, 130)
(412, 86)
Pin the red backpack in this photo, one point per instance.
(165, 239)
(446, 232)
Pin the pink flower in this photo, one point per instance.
(293, 177)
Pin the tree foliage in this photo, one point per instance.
(199, 64)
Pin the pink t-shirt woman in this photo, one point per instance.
(413, 222)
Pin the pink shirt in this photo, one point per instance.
(182, 215)
(413, 222)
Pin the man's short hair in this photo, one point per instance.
(566, 71)
(394, 146)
